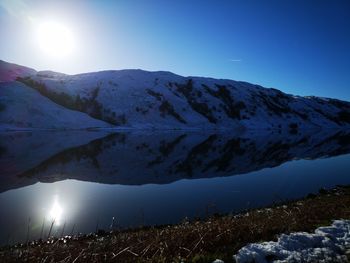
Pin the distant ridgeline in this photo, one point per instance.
(163, 100)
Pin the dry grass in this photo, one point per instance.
(200, 241)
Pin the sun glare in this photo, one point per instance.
(55, 39)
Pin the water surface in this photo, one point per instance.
(80, 181)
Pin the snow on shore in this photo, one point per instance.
(327, 244)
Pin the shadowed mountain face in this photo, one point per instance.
(134, 158)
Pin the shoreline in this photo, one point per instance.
(219, 236)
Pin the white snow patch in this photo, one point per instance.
(327, 244)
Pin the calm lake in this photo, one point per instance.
(79, 181)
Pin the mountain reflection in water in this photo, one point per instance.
(139, 175)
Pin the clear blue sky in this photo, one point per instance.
(299, 47)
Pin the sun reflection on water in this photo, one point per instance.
(55, 214)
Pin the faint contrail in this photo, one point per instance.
(235, 60)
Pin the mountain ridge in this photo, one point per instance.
(139, 99)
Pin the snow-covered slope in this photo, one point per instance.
(142, 99)
(9, 71)
(160, 100)
(24, 107)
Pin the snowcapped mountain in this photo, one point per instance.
(163, 100)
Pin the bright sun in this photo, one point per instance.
(55, 39)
